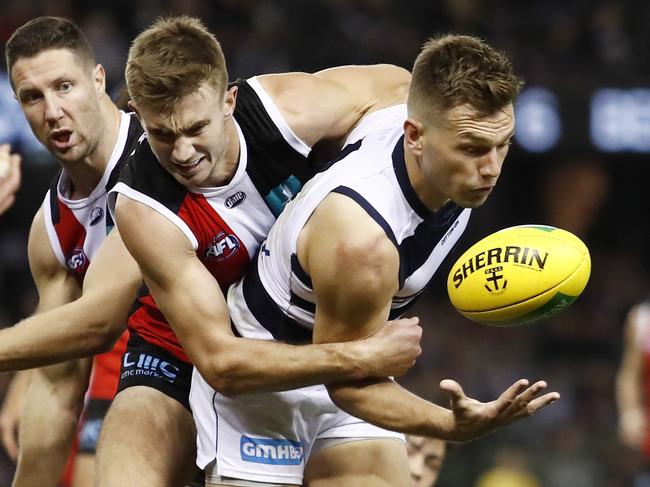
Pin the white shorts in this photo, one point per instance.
(268, 437)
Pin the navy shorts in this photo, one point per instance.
(146, 364)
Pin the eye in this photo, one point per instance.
(65, 86)
(30, 97)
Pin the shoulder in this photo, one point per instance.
(341, 233)
(42, 259)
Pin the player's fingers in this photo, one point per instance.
(453, 388)
(413, 321)
(508, 398)
(536, 404)
(523, 398)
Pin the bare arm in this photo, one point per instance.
(328, 104)
(367, 262)
(629, 386)
(46, 432)
(194, 305)
(82, 327)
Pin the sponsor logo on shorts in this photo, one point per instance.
(143, 364)
(96, 215)
(222, 247)
(236, 199)
(270, 451)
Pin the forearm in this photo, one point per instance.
(52, 408)
(239, 366)
(384, 403)
(63, 333)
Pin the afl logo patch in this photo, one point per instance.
(222, 247)
(236, 199)
(96, 215)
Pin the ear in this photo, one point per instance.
(99, 77)
(132, 106)
(230, 101)
(413, 136)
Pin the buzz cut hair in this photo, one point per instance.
(453, 70)
(172, 59)
(45, 33)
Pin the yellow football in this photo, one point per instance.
(519, 275)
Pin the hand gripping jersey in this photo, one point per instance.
(275, 300)
(224, 224)
(76, 229)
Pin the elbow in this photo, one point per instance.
(102, 337)
(220, 374)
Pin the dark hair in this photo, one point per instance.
(453, 70)
(43, 33)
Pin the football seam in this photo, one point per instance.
(536, 295)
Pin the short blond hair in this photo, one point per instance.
(453, 70)
(170, 60)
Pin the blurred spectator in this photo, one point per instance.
(9, 177)
(510, 470)
(426, 456)
(633, 389)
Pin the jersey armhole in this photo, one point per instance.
(276, 116)
(153, 204)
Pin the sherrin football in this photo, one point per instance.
(519, 275)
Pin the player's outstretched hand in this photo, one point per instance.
(394, 348)
(9, 177)
(473, 419)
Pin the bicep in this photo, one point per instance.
(354, 275)
(55, 285)
(187, 294)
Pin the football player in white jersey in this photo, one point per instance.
(357, 245)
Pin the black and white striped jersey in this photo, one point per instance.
(275, 300)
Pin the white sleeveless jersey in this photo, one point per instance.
(76, 228)
(276, 300)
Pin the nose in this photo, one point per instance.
(490, 166)
(53, 111)
(182, 151)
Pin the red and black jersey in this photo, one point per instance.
(76, 229)
(226, 224)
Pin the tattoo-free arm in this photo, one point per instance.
(354, 268)
(328, 104)
(629, 383)
(194, 305)
(46, 433)
(83, 327)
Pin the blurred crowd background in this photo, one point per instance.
(580, 161)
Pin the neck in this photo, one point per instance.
(86, 174)
(227, 166)
(429, 196)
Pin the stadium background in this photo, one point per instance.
(580, 161)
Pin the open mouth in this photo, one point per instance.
(61, 139)
(191, 166)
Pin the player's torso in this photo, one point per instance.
(76, 228)
(278, 293)
(227, 224)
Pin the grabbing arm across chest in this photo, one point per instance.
(194, 305)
